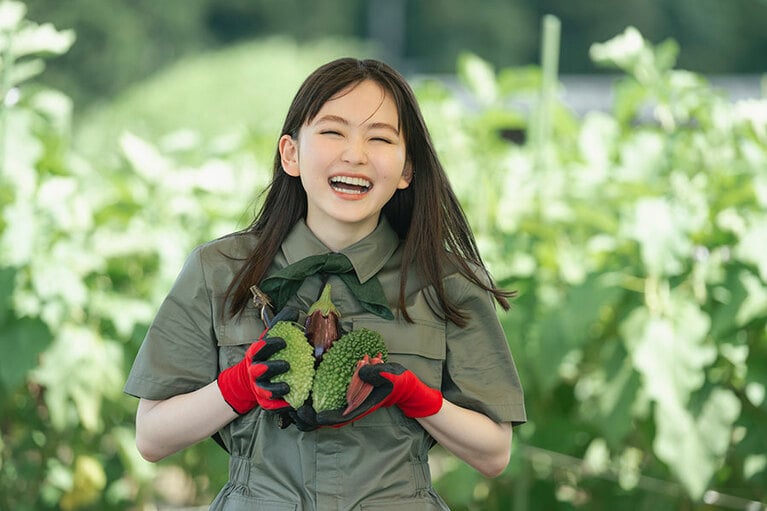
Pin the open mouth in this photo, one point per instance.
(347, 184)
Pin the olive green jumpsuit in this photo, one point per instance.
(377, 463)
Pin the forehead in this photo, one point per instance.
(365, 99)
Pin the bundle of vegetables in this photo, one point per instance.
(324, 363)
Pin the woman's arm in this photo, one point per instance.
(165, 427)
(473, 437)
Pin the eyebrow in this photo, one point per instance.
(341, 120)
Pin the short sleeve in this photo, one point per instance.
(480, 373)
(179, 353)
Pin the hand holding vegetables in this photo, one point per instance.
(395, 385)
(391, 384)
(248, 383)
(261, 378)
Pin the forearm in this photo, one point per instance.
(473, 437)
(165, 427)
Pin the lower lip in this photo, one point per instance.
(350, 196)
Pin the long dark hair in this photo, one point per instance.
(426, 215)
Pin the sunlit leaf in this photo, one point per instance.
(34, 39)
(628, 51)
(479, 76)
(75, 361)
(88, 482)
(11, 14)
(145, 159)
(23, 71)
(755, 303)
(750, 248)
(694, 445)
(23, 150)
(670, 350)
(754, 464)
(661, 229)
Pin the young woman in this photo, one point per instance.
(356, 174)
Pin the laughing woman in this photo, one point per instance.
(355, 177)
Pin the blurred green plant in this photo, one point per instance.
(637, 248)
(636, 245)
(83, 264)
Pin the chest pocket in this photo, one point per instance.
(234, 335)
(418, 346)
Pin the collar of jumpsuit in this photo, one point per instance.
(356, 266)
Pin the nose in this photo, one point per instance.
(355, 152)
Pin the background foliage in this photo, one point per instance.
(634, 237)
(121, 43)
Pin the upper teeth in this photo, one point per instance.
(356, 181)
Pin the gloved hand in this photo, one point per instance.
(248, 384)
(392, 385)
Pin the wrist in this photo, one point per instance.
(426, 402)
(235, 389)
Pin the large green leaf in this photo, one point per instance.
(671, 350)
(21, 342)
(694, 445)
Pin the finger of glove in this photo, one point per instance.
(380, 374)
(336, 418)
(304, 418)
(270, 390)
(332, 419)
(267, 347)
(275, 405)
(261, 371)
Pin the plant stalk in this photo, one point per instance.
(550, 46)
(5, 87)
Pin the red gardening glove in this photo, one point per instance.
(248, 383)
(401, 387)
(392, 385)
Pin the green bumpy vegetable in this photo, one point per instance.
(300, 355)
(337, 367)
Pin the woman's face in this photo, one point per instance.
(351, 159)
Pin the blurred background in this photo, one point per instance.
(611, 158)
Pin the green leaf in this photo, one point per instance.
(7, 284)
(671, 350)
(34, 39)
(566, 328)
(660, 227)
(23, 71)
(754, 305)
(694, 446)
(479, 77)
(78, 372)
(726, 302)
(11, 15)
(21, 342)
(626, 51)
(750, 248)
(617, 396)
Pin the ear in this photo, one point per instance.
(407, 176)
(289, 155)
